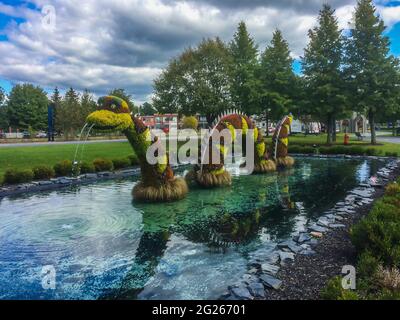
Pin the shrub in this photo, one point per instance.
(391, 154)
(101, 164)
(121, 163)
(335, 291)
(86, 167)
(393, 189)
(133, 159)
(190, 123)
(13, 176)
(379, 233)
(355, 150)
(371, 152)
(43, 173)
(294, 149)
(63, 168)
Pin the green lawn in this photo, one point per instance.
(29, 157)
(320, 140)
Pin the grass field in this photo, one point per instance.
(320, 140)
(29, 157)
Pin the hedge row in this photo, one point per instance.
(377, 241)
(65, 168)
(347, 150)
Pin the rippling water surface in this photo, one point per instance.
(104, 246)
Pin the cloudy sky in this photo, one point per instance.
(104, 44)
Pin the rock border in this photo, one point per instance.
(261, 282)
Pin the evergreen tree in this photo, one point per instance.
(278, 81)
(322, 69)
(87, 106)
(244, 52)
(27, 107)
(68, 114)
(372, 72)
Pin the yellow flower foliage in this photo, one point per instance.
(260, 148)
(162, 164)
(245, 126)
(218, 171)
(255, 134)
(223, 149)
(232, 130)
(107, 119)
(285, 141)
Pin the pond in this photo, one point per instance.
(103, 246)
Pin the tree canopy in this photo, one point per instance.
(196, 81)
(27, 107)
(322, 69)
(373, 74)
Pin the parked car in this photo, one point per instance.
(41, 134)
(26, 135)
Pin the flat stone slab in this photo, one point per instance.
(317, 228)
(242, 293)
(271, 282)
(269, 269)
(303, 237)
(257, 289)
(338, 226)
(285, 257)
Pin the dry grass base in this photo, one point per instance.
(268, 166)
(171, 191)
(209, 180)
(286, 162)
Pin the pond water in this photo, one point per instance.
(103, 246)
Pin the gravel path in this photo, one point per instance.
(304, 278)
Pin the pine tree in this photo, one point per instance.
(68, 113)
(323, 76)
(244, 52)
(277, 78)
(87, 106)
(372, 72)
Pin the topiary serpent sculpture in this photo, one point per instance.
(213, 173)
(280, 142)
(158, 182)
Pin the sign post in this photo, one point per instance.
(50, 122)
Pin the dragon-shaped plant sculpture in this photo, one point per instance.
(212, 173)
(280, 142)
(158, 182)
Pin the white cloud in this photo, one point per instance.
(100, 45)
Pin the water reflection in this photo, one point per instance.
(104, 246)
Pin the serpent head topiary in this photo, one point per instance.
(158, 182)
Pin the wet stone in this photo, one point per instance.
(271, 282)
(317, 228)
(285, 257)
(269, 269)
(257, 289)
(242, 293)
(338, 226)
(303, 237)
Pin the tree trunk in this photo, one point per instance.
(266, 122)
(371, 117)
(329, 130)
(333, 129)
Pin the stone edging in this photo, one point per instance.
(63, 182)
(265, 264)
